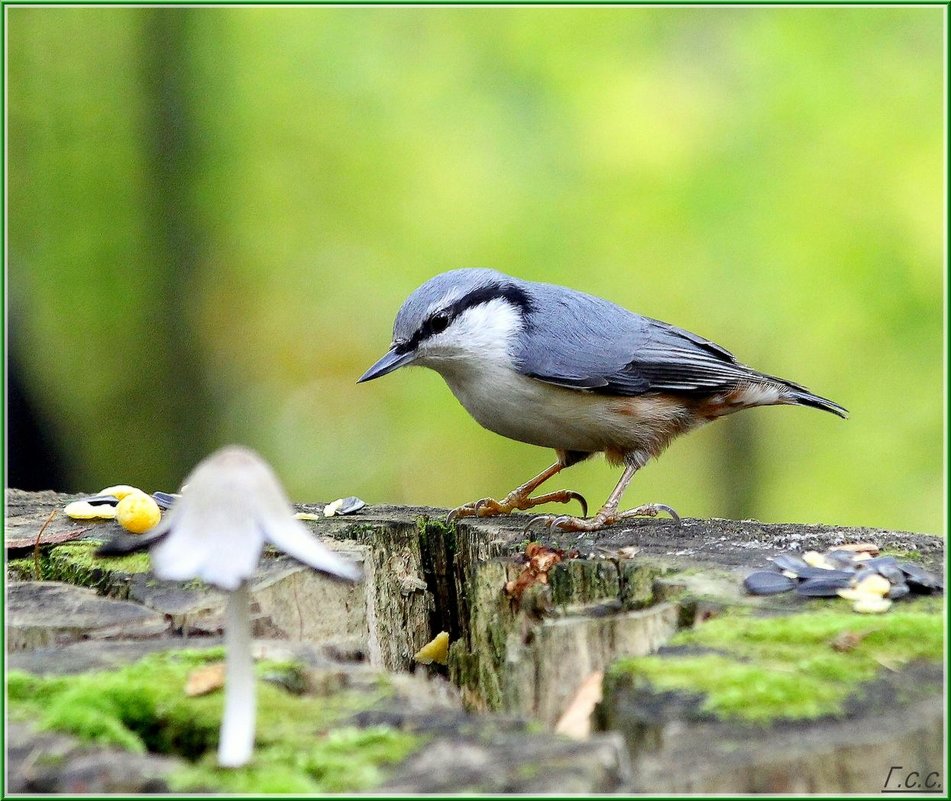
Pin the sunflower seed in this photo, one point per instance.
(165, 499)
(789, 561)
(826, 573)
(824, 587)
(767, 582)
(844, 559)
(898, 591)
(101, 500)
(344, 506)
(816, 559)
(920, 579)
(886, 566)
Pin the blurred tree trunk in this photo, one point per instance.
(738, 474)
(105, 243)
(170, 89)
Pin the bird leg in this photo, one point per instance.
(608, 514)
(519, 498)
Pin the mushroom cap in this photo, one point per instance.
(231, 504)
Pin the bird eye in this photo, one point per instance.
(438, 323)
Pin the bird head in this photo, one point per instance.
(468, 315)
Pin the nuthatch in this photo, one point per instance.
(555, 367)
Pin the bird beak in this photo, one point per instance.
(390, 362)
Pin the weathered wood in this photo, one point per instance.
(677, 749)
(41, 613)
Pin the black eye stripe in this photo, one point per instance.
(440, 320)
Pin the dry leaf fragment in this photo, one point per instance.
(205, 679)
(541, 559)
(576, 720)
(848, 640)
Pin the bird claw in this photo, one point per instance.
(652, 510)
(601, 520)
(572, 495)
(488, 507)
(549, 521)
(543, 518)
(475, 509)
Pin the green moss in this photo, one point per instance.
(638, 579)
(574, 581)
(361, 532)
(142, 707)
(346, 759)
(907, 556)
(438, 530)
(76, 563)
(759, 669)
(22, 569)
(528, 771)
(80, 555)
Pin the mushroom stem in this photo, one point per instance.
(237, 724)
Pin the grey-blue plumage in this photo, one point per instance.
(573, 339)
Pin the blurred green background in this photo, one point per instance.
(215, 213)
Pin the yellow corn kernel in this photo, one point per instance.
(138, 512)
(871, 605)
(436, 650)
(120, 491)
(83, 510)
(874, 585)
(816, 559)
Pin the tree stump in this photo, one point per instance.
(657, 610)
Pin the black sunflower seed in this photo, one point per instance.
(101, 500)
(165, 499)
(843, 560)
(768, 582)
(886, 566)
(898, 591)
(826, 573)
(920, 579)
(791, 562)
(825, 587)
(350, 505)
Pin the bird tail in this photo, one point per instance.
(798, 395)
(805, 398)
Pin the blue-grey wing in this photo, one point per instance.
(585, 342)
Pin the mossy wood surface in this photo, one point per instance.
(705, 688)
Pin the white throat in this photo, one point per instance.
(484, 334)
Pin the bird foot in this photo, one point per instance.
(489, 507)
(604, 518)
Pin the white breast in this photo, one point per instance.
(473, 357)
(532, 411)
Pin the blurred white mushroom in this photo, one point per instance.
(231, 506)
